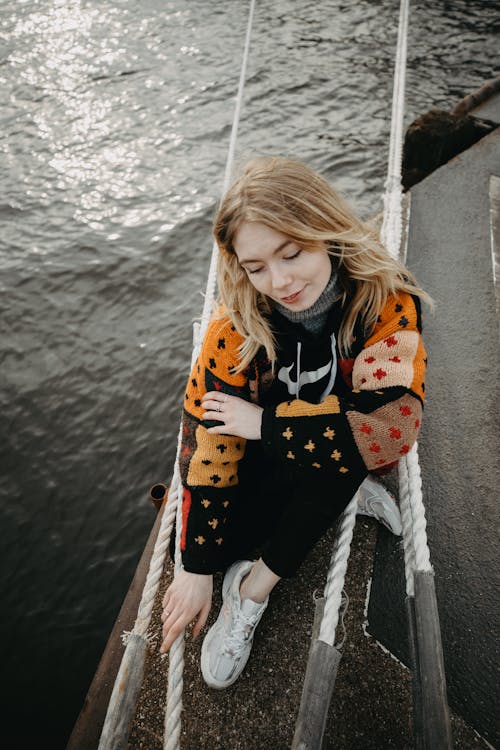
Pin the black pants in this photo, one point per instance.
(282, 514)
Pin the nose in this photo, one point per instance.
(281, 278)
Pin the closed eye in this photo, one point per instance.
(295, 255)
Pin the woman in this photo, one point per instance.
(311, 375)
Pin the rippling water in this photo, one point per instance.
(115, 124)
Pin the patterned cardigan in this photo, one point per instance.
(364, 425)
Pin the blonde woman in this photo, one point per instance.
(310, 377)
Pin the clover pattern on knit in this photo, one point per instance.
(329, 450)
(400, 343)
(215, 519)
(387, 433)
(210, 527)
(206, 467)
(204, 461)
(387, 362)
(403, 305)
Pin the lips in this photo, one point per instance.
(292, 298)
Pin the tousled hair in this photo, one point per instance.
(291, 198)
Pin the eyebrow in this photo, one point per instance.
(275, 251)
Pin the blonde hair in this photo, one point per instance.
(290, 197)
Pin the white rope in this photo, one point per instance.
(407, 523)
(336, 573)
(173, 508)
(173, 710)
(391, 237)
(212, 272)
(416, 551)
(422, 554)
(392, 224)
(412, 508)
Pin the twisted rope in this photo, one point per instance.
(336, 573)
(407, 523)
(422, 554)
(156, 565)
(212, 272)
(173, 710)
(174, 505)
(416, 551)
(412, 509)
(393, 223)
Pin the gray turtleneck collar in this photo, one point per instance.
(314, 318)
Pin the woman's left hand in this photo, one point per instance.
(238, 417)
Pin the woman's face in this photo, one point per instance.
(279, 268)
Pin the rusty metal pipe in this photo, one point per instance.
(157, 494)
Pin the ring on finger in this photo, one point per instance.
(167, 613)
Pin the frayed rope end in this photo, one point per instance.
(150, 638)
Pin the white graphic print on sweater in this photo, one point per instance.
(310, 376)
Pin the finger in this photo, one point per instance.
(212, 404)
(168, 618)
(213, 416)
(165, 614)
(212, 396)
(173, 633)
(202, 619)
(167, 604)
(221, 430)
(173, 611)
(167, 596)
(170, 611)
(211, 409)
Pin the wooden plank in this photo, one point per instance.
(319, 681)
(88, 727)
(436, 727)
(416, 687)
(124, 696)
(317, 692)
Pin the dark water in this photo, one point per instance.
(115, 124)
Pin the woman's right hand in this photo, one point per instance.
(188, 596)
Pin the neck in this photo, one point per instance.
(314, 317)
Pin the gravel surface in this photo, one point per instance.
(371, 707)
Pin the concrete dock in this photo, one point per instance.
(451, 249)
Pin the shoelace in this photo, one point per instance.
(240, 631)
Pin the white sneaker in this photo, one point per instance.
(376, 501)
(228, 643)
